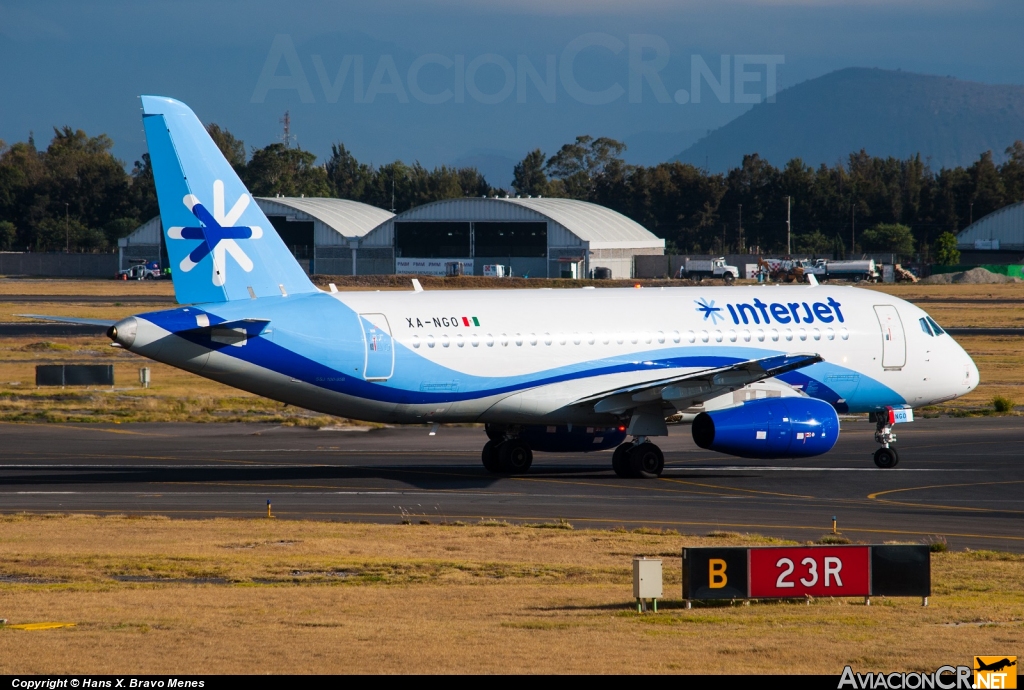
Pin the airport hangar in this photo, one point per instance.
(533, 237)
(997, 238)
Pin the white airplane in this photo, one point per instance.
(761, 371)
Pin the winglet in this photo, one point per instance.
(416, 287)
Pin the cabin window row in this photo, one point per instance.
(717, 336)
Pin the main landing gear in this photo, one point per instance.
(886, 457)
(638, 459)
(504, 453)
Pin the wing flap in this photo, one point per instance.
(683, 390)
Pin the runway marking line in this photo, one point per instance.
(731, 488)
(38, 626)
(875, 496)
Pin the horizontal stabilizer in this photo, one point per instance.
(70, 319)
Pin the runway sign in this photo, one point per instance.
(798, 571)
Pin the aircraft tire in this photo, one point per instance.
(515, 457)
(490, 457)
(886, 458)
(646, 461)
(495, 432)
(620, 461)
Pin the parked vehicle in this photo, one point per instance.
(699, 269)
(857, 270)
(496, 271)
(141, 271)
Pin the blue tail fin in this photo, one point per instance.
(220, 244)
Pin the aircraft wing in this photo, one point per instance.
(682, 391)
(71, 319)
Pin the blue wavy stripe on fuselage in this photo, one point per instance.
(304, 360)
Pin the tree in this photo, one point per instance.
(528, 178)
(946, 253)
(232, 148)
(54, 234)
(83, 179)
(813, 243)
(278, 169)
(142, 193)
(889, 237)
(8, 235)
(347, 177)
(578, 165)
(1012, 172)
(838, 248)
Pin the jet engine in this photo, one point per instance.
(769, 428)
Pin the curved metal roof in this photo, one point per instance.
(1005, 225)
(350, 218)
(596, 225)
(589, 222)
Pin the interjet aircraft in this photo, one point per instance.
(759, 371)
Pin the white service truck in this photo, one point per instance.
(699, 269)
(857, 270)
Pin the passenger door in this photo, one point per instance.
(380, 351)
(894, 341)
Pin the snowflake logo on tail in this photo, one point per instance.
(216, 233)
(709, 310)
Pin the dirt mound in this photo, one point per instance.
(975, 276)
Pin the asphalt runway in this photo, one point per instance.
(960, 478)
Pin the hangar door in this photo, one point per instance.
(380, 351)
(894, 342)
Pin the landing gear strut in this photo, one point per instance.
(504, 453)
(886, 457)
(638, 459)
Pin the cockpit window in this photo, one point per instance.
(935, 326)
(924, 326)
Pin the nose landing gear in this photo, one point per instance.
(638, 459)
(886, 457)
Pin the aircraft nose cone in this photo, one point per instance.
(124, 331)
(971, 374)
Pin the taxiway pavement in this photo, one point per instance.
(958, 478)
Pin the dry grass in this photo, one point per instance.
(119, 289)
(267, 596)
(174, 395)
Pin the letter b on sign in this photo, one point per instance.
(715, 573)
(717, 579)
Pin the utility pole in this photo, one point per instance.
(853, 227)
(972, 214)
(789, 250)
(740, 247)
(67, 231)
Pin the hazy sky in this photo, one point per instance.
(447, 81)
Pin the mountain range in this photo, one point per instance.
(948, 121)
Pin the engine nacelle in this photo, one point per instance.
(769, 428)
(581, 439)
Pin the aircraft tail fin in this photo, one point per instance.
(220, 244)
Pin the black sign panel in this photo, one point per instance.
(715, 573)
(901, 570)
(75, 375)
